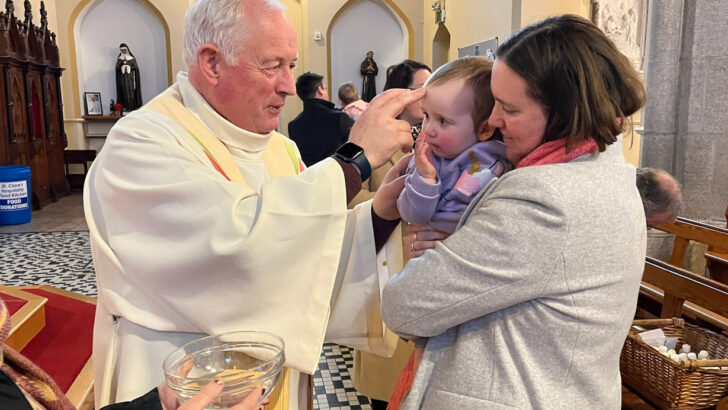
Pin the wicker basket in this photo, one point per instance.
(670, 385)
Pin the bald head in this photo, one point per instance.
(661, 195)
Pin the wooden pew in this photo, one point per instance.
(682, 291)
(716, 238)
(717, 260)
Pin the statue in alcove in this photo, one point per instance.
(369, 71)
(128, 84)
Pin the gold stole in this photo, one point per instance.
(169, 104)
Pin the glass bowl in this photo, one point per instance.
(244, 361)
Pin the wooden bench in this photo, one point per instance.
(83, 157)
(684, 292)
(717, 260)
(716, 238)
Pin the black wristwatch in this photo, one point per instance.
(354, 154)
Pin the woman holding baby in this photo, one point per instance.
(528, 302)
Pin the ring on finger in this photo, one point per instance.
(413, 247)
(414, 236)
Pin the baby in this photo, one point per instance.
(458, 152)
(350, 101)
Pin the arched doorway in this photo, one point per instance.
(440, 46)
(100, 27)
(351, 34)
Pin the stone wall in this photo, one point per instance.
(686, 116)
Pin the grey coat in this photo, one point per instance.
(528, 303)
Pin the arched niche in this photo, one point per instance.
(363, 25)
(96, 29)
(440, 46)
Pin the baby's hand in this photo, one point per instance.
(423, 160)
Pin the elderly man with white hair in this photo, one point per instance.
(204, 220)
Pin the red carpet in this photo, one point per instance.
(14, 304)
(63, 347)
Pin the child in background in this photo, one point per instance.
(350, 101)
(457, 153)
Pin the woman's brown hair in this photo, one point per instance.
(585, 85)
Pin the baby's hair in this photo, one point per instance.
(475, 71)
(348, 93)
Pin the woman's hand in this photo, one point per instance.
(418, 238)
(423, 160)
(207, 394)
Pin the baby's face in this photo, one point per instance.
(448, 124)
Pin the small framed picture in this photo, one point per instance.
(92, 103)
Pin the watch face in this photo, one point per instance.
(349, 150)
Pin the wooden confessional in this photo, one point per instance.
(31, 115)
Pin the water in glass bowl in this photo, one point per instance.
(244, 362)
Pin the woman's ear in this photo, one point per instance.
(485, 131)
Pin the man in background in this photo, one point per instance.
(661, 195)
(320, 129)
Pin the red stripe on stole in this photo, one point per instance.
(216, 166)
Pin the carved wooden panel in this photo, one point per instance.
(18, 119)
(4, 154)
(39, 178)
(31, 118)
(42, 93)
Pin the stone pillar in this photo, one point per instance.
(686, 116)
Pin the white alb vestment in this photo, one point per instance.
(181, 252)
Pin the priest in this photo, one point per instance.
(203, 219)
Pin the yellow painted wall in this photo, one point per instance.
(468, 21)
(535, 10)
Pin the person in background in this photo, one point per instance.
(527, 304)
(409, 74)
(320, 128)
(661, 195)
(350, 102)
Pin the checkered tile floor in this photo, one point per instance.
(63, 259)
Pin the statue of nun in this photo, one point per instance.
(128, 85)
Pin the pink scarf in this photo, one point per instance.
(555, 152)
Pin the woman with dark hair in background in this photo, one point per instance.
(527, 304)
(409, 74)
